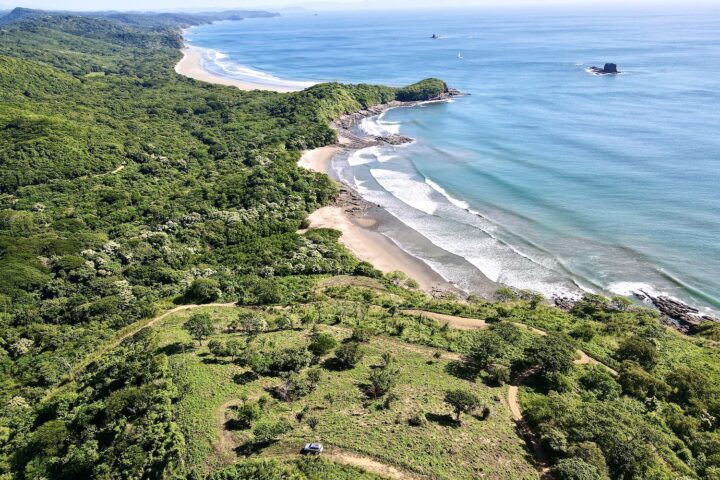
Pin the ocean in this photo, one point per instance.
(545, 177)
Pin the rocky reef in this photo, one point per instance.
(608, 69)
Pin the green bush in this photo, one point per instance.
(424, 90)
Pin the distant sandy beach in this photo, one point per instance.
(359, 234)
(191, 66)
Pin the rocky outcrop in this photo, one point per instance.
(351, 202)
(346, 123)
(565, 303)
(394, 139)
(608, 69)
(676, 313)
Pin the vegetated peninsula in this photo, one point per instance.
(165, 314)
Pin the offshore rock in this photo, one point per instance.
(608, 69)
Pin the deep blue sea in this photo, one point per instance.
(546, 177)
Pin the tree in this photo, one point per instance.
(218, 348)
(503, 294)
(591, 454)
(485, 350)
(322, 343)
(689, 384)
(250, 323)
(638, 349)
(246, 414)
(349, 355)
(200, 326)
(551, 353)
(235, 347)
(462, 401)
(204, 290)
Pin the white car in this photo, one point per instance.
(313, 448)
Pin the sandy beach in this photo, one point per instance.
(359, 234)
(191, 66)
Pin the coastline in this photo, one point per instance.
(191, 66)
(359, 226)
(359, 232)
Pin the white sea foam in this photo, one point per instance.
(629, 288)
(458, 203)
(408, 190)
(375, 126)
(220, 63)
(496, 260)
(369, 155)
(360, 157)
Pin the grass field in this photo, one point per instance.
(348, 421)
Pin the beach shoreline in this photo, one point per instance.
(358, 222)
(191, 66)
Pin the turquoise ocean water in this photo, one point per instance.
(545, 177)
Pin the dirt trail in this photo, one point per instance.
(460, 323)
(541, 458)
(113, 172)
(225, 445)
(369, 465)
(159, 318)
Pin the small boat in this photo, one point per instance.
(435, 36)
(460, 56)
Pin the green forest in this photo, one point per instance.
(128, 191)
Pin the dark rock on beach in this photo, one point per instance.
(676, 313)
(394, 139)
(608, 69)
(564, 303)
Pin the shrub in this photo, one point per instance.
(382, 380)
(600, 382)
(218, 348)
(266, 431)
(504, 294)
(365, 269)
(583, 331)
(361, 334)
(349, 355)
(418, 419)
(638, 349)
(322, 344)
(498, 374)
(575, 469)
